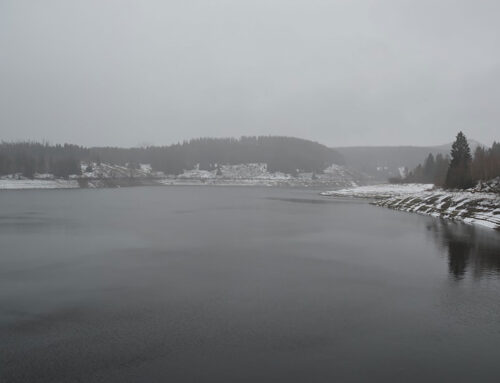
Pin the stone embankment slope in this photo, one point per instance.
(480, 205)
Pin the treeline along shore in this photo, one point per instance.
(280, 154)
(460, 170)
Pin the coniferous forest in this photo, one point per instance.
(461, 169)
(28, 158)
(284, 154)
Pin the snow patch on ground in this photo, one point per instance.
(380, 191)
(12, 184)
(259, 174)
(103, 171)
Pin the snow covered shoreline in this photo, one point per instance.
(99, 183)
(468, 206)
(10, 184)
(379, 191)
(103, 175)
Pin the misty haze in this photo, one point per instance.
(249, 191)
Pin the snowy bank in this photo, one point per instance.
(12, 184)
(467, 206)
(379, 191)
(102, 175)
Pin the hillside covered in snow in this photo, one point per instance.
(98, 175)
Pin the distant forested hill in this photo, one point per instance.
(285, 154)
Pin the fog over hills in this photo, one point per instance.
(382, 162)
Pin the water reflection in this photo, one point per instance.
(470, 250)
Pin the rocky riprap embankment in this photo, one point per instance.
(478, 208)
(471, 206)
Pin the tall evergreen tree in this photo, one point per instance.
(459, 173)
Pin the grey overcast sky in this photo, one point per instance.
(341, 72)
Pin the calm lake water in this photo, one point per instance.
(234, 284)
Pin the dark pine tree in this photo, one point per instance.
(459, 172)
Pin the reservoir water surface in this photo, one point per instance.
(241, 284)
